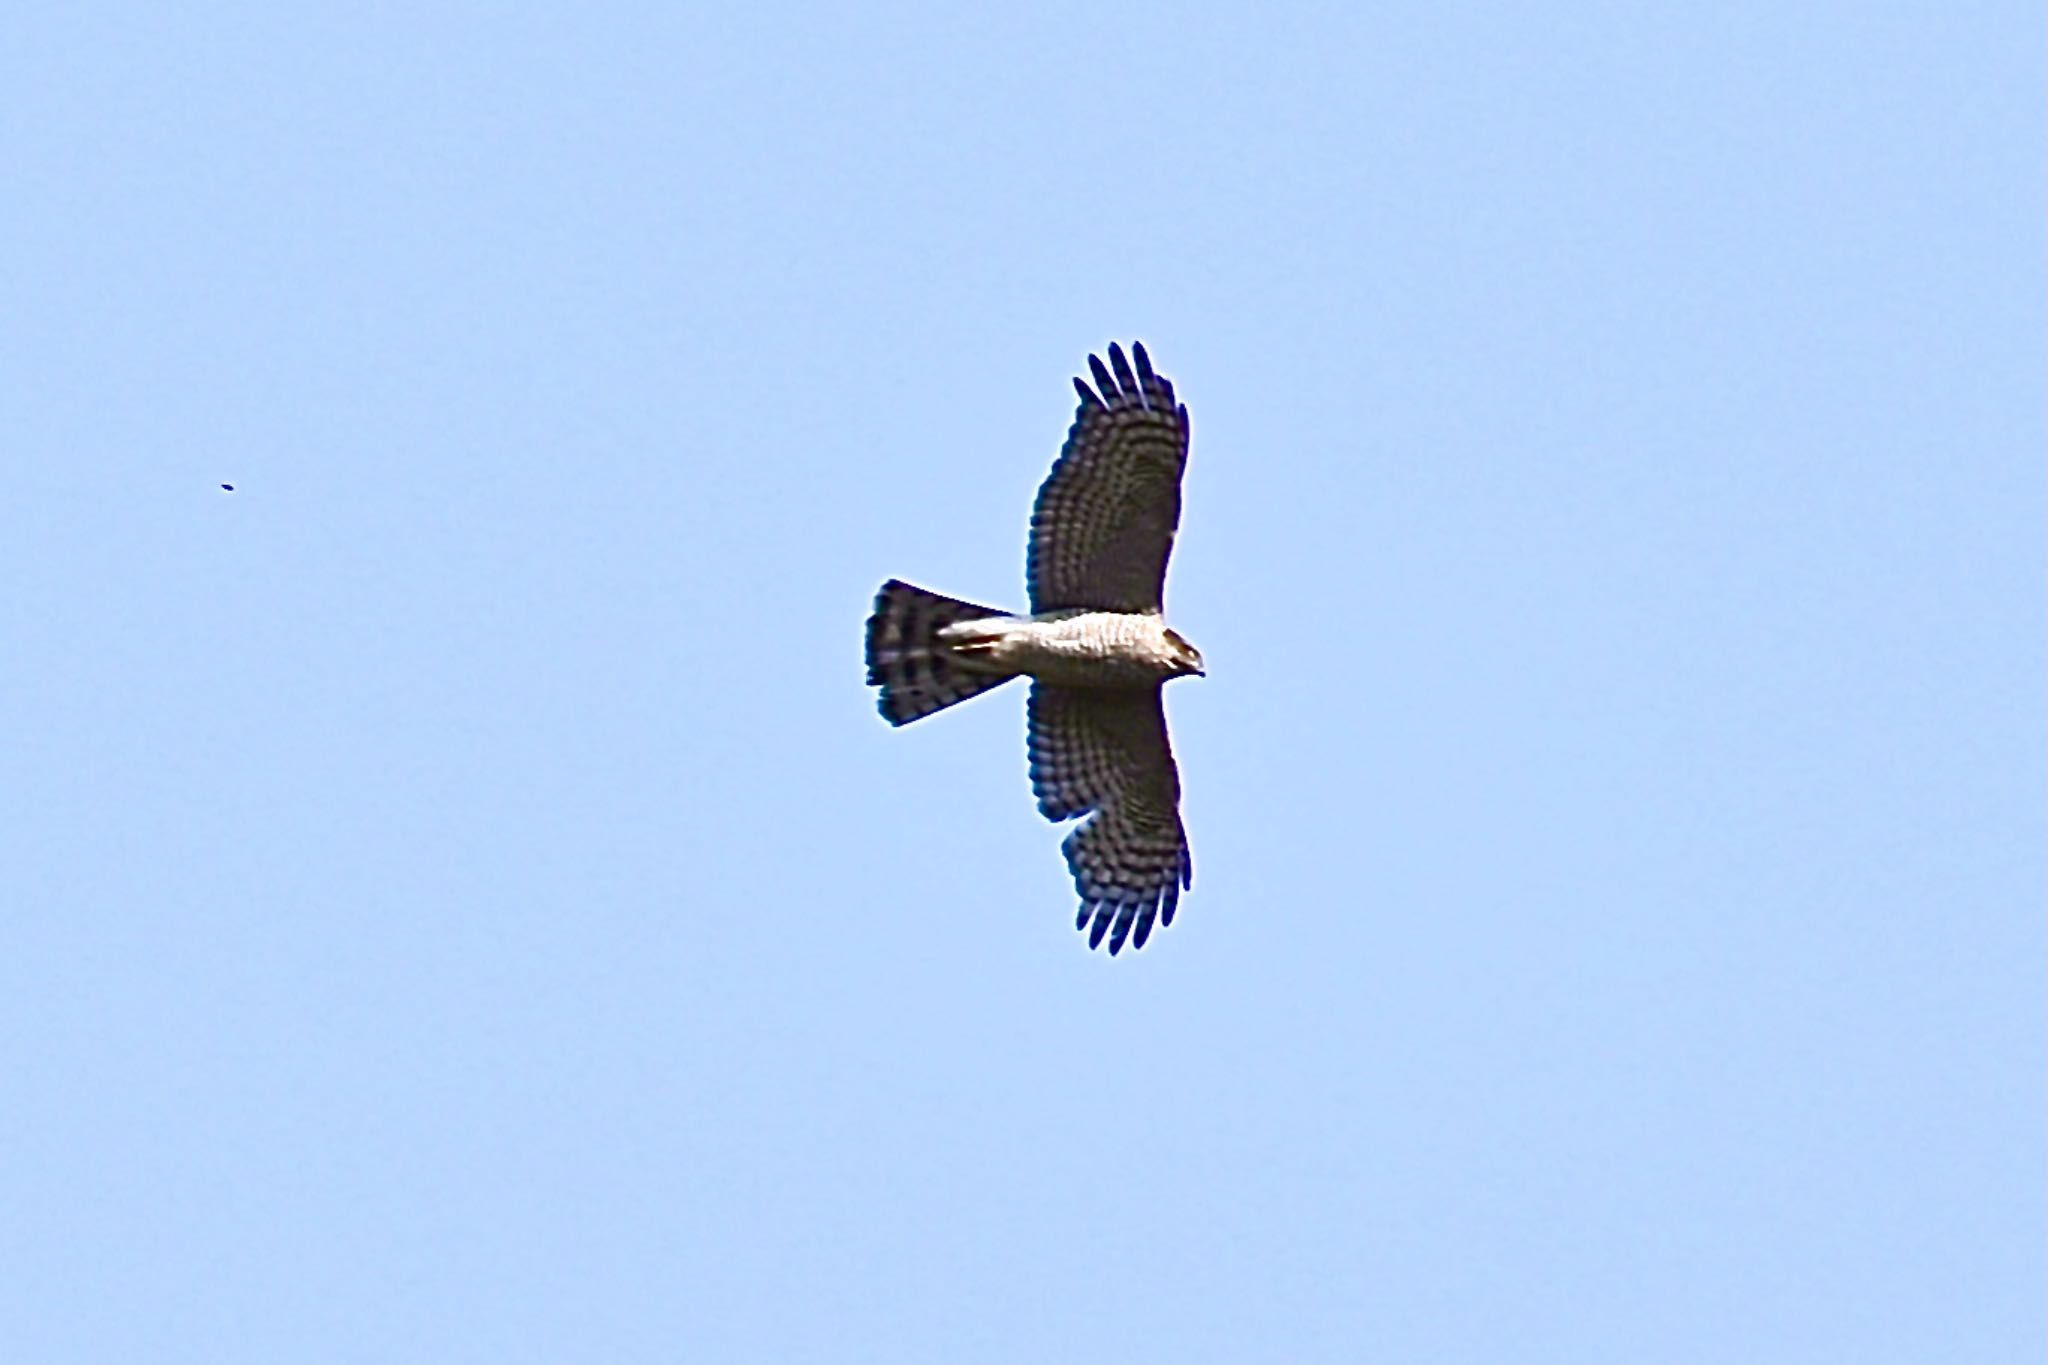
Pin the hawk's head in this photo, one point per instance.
(1186, 658)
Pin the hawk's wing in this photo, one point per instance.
(1104, 749)
(1105, 516)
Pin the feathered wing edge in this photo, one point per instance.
(1103, 525)
(1104, 754)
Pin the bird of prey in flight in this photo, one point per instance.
(1095, 645)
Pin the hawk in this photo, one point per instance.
(1094, 645)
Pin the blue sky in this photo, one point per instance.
(463, 906)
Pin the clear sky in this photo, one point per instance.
(461, 903)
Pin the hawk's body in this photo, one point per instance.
(1096, 647)
(1076, 648)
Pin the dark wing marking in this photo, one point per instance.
(1105, 750)
(1104, 521)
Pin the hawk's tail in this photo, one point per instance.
(916, 673)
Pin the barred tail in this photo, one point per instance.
(918, 675)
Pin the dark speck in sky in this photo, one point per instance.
(230, 487)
